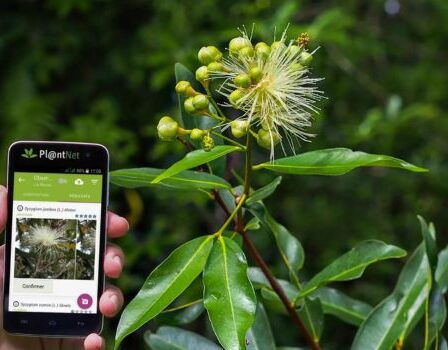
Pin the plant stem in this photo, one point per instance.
(232, 215)
(228, 139)
(212, 100)
(248, 167)
(279, 291)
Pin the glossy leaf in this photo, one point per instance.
(437, 314)
(338, 304)
(228, 294)
(441, 274)
(264, 191)
(387, 321)
(312, 315)
(429, 239)
(259, 336)
(185, 180)
(194, 159)
(252, 225)
(352, 264)
(290, 249)
(181, 315)
(172, 338)
(333, 161)
(164, 285)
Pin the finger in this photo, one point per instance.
(3, 206)
(111, 301)
(117, 226)
(113, 261)
(94, 342)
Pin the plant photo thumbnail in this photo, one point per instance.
(55, 249)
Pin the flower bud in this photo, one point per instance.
(242, 80)
(202, 74)
(262, 49)
(215, 67)
(278, 45)
(209, 54)
(167, 128)
(188, 105)
(208, 143)
(294, 50)
(295, 67)
(238, 43)
(197, 134)
(239, 128)
(305, 58)
(182, 86)
(236, 96)
(256, 74)
(200, 102)
(267, 139)
(247, 52)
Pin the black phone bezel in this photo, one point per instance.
(44, 324)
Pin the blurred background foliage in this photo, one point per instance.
(103, 71)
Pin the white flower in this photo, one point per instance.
(44, 236)
(280, 96)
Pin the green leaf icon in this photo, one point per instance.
(29, 153)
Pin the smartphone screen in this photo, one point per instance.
(55, 238)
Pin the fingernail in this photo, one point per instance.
(117, 260)
(3, 189)
(114, 300)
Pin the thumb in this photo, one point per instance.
(3, 207)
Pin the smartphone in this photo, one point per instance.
(55, 238)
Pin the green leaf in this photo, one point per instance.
(252, 225)
(289, 246)
(429, 239)
(312, 315)
(272, 300)
(333, 161)
(185, 180)
(228, 294)
(441, 275)
(265, 191)
(351, 265)
(437, 314)
(172, 338)
(387, 321)
(181, 315)
(194, 159)
(164, 284)
(259, 336)
(338, 304)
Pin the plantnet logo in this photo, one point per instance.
(29, 153)
(50, 155)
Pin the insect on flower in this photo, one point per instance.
(271, 85)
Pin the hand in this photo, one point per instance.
(110, 303)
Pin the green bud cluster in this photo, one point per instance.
(184, 88)
(267, 139)
(208, 143)
(167, 128)
(239, 43)
(197, 134)
(239, 128)
(209, 54)
(202, 74)
(196, 104)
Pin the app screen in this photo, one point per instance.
(55, 242)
